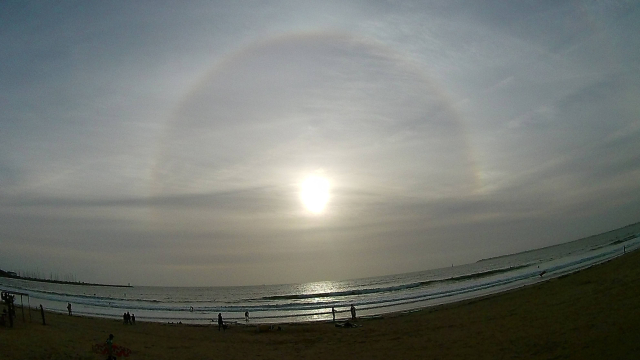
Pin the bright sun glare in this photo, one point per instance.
(314, 193)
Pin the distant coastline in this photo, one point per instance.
(631, 233)
(11, 275)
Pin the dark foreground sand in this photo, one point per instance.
(592, 314)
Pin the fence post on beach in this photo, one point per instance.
(11, 316)
(42, 313)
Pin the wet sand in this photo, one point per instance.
(591, 314)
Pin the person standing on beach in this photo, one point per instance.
(246, 316)
(333, 312)
(109, 344)
(220, 322)
(69, 308)
(353, 312)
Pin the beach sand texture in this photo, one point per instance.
(591, 314)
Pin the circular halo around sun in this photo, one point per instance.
(314, 193)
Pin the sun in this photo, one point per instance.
(314, 193)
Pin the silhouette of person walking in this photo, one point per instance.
(69, 308)
(246, 316)
(353, 312)
(333, 312)
(220, 322)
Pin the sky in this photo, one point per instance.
(169, 143)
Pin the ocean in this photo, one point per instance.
(372, 297)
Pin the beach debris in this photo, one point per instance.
(347, 324)
(267, 327)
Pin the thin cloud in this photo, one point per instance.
(168, 143)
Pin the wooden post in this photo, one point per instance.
(10, 306)
(42, 313)
(22, 308)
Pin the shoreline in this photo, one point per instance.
(367, 312)
(590, 313)
(78, 283)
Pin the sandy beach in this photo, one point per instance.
(591, 314)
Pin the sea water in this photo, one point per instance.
(314, 301)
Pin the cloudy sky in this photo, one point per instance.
(167, 143)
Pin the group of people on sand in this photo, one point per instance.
(352, 309)
(223, 326)
(129, 319)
